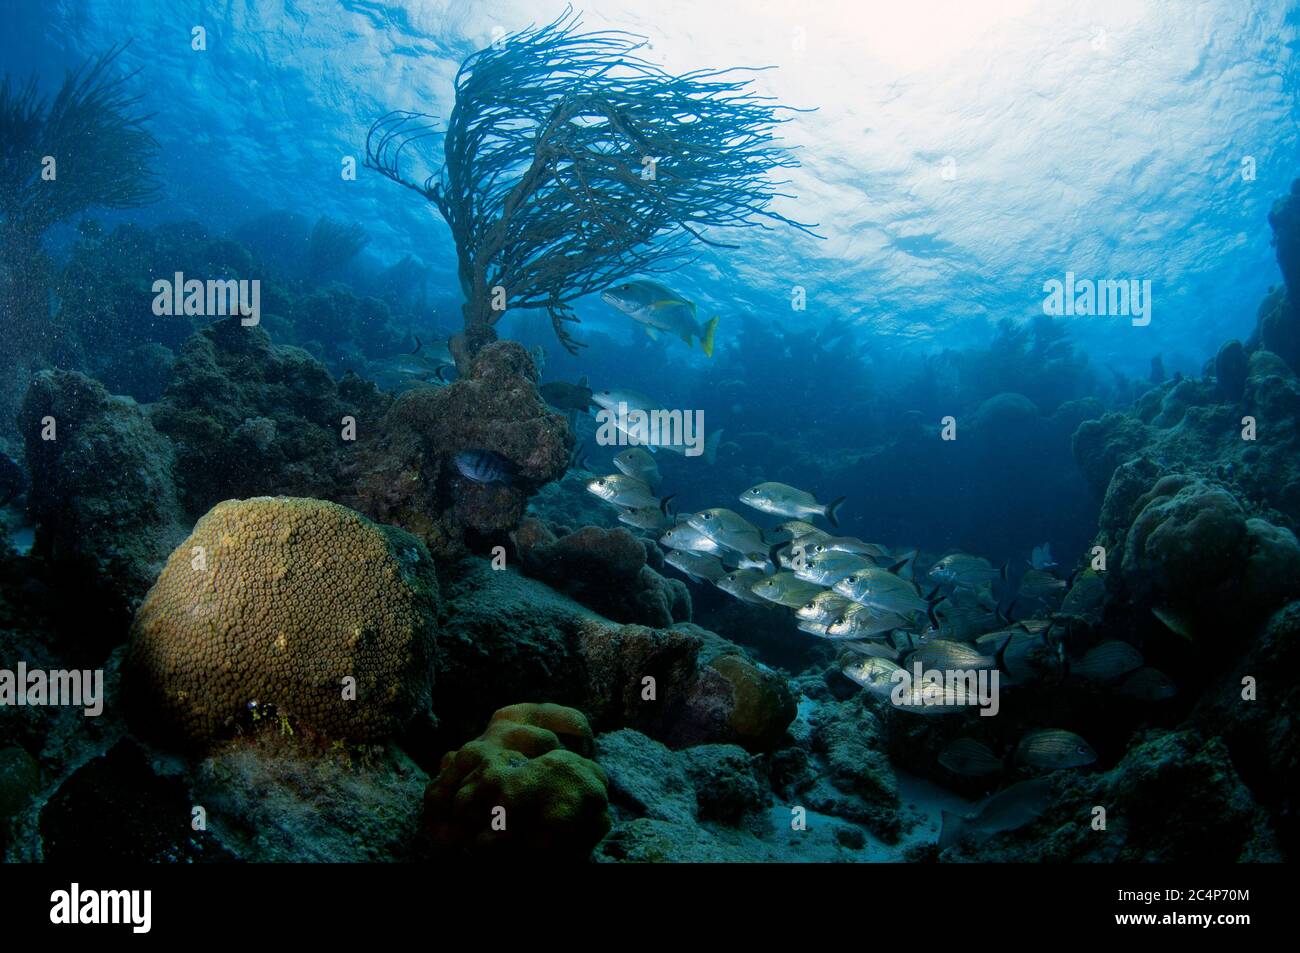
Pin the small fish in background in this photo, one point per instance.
(657, 308)
(1006, 810)
(729, 529)
(688, 539)
(830, 567)
(698, 566)
(1041, 586)
(874, 674)
(639, 464)
(786, 589)
(792, 530)
(638, 407)
(781, 499)
(574, 398)
(878, 554)
(538, 354)
(1087, 595)
(1041, 557)
(883, 590)
(872, 650)
(740, 584)
(970, 758)
(485, 466)
(1054, 749)
(943, 654)
(966, 571)
(622, 490)
(825, 607)
(863, 622)
(1106, 662)
(13, 481)
(422, 365)
(649, 518)
(1149, 685)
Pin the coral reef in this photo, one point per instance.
(525, 784)
(270, 413)
(300, 612)
(735, 701)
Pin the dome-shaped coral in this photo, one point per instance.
(524, 784)
(272, 605)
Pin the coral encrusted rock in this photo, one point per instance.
(267, 610)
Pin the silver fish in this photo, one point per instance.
(781, 499)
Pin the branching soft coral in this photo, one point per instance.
(570, 163)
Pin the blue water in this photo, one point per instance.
(960, 154)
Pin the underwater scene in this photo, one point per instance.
(751, 432)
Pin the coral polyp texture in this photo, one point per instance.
(294, 610)
(525, 784)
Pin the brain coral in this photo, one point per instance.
(268, 607)
(530, 763)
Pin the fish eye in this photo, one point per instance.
(851, 580)
(600, 483)
(839, 621)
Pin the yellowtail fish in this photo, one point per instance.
(657, 308)
(781, 499)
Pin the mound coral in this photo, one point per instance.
(735, 701)
(525, 784)
(274, 606)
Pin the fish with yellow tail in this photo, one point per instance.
(657, 308)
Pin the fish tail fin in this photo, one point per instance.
(999, 657)
(664, 504)
(951, 829)
(1003, 571)
(711, 446)
(706, 342)
(833, 510)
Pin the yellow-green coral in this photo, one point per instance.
(274, 604)
(523, 785)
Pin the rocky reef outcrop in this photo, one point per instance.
(406, 475)
(605, 569)
(102, 494)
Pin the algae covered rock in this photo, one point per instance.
(101, 489)
(526, 784)
(735, 701)
(605, 569)
(408, 476)
(295, 609)
(19, 779)
(1230, 369)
